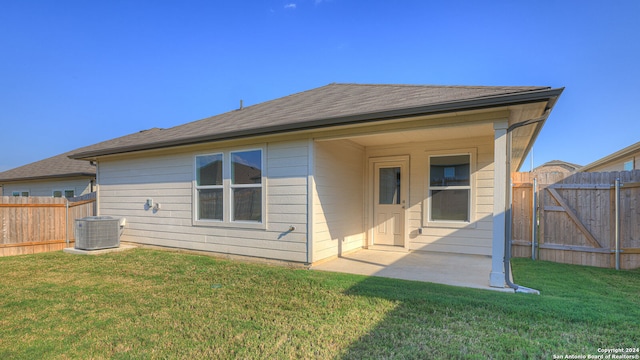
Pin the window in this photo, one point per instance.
(628, 166)
(389, 188)
(450, 188)
(246, 185)
(20, 193)
(67, 193)
(229, 187)
(209, 187)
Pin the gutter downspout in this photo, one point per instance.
(507, 235)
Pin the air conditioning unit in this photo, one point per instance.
(98, 232)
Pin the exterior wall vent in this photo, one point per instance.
(98, 232)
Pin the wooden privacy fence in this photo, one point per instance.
(573, 219)
(31, 225)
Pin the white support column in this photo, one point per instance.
(311, 188)
(497, 276)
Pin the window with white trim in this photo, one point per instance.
(450, 188)
(246, 185)
(20, 194)
(210, 187)
(57, 193)
(229, 187)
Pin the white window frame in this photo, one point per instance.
(196, 198)
(471, 187)
(73, 193)
(228, 187)
(233, 186)
(53, 193)
(21, 193)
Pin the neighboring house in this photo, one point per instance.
(56, 176)
(556, 167)
(626, 159)
(317, 174)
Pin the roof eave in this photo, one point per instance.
(552, 100)
(532, 141)
(548, 94)
(46, 177)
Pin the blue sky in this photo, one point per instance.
(73, 73)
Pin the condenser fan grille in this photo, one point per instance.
(97, 232)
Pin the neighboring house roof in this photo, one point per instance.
(612, 157)
(59, 166)
(566, 165)
(330, 105)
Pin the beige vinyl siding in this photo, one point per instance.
(474, 238)
(80, 186)
(616, 161)
(126, 184)
(618, 164)
(338, 198)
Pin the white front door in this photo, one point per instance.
(389, 201)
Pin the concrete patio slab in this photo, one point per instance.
(463, 270)
(98, 252)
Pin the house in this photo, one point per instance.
(317, 174)
(56, 176)
(556, 167)
(626, 159)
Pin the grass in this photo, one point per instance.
(155, 304)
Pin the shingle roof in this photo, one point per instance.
(333, 104)
(54, 167)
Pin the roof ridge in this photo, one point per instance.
(332, 84)
(246, 107)
(442, 86)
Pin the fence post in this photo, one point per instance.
(66, 222)
(617, 223)
(534, 219)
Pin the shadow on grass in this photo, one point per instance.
(439, 321)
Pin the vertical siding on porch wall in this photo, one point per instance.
(338, 202)
(126, 184)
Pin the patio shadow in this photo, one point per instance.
(429, 320)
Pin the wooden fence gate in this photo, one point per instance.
(31, 225)
(573, 219)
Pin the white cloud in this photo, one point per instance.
(290, 6)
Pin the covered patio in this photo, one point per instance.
(462, 270)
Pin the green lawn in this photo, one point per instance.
(159, 304)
